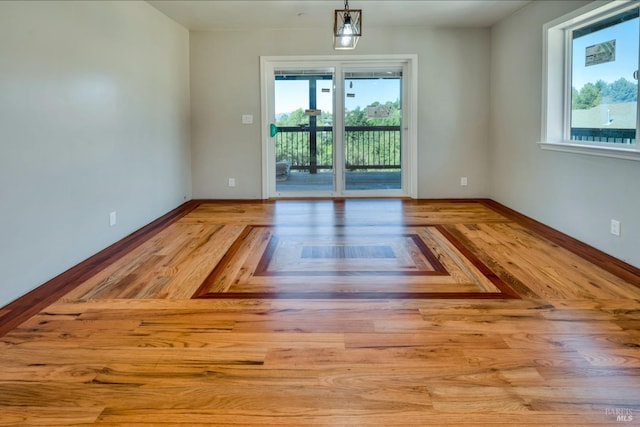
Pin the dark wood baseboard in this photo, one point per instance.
(595, 256)
(33, 302)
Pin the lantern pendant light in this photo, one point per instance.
(347, 27)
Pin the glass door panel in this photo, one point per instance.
(304, 138)
(373, 129)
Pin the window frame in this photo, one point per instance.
(556, 83)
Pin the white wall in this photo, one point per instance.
(94, 118)
(453, 101)
(576, 194)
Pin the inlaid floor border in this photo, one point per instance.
(38, 299)
(438, 268)
(506, 292)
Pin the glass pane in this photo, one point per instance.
(304, 142)
(604, 88)
(372, 134)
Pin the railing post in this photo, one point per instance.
(313, 124)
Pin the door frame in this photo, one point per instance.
(409, 119)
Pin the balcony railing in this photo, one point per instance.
(366, 147)
(611, 136)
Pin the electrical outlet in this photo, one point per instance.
(463, 181)
(232, 182)
(112, 219)
(615, 227)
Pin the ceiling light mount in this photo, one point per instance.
(347, 27)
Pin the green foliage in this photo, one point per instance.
(294, 146)
(362, 148)
(368, 148)
(594, 94)
(295, 118)
(622, 90)
(358, 117)
(588, 97)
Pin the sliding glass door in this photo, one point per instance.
(335, 130)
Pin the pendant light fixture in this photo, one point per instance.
(347, 27)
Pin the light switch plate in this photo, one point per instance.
(615, 227)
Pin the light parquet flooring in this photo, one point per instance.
(532, 334)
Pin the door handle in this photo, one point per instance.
(273, 130)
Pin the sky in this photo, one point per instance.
(626, 36)
(294, 94)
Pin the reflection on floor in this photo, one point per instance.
(333, 313)
(298, 181)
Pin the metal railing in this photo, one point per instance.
(611, 136)
(366, 147)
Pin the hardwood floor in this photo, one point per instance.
(347, 312)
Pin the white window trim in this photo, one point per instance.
(554, 93)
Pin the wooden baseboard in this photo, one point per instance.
(595, 256)
(33, 302)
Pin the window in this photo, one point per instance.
(590, 84)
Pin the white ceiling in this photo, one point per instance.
(241, 14)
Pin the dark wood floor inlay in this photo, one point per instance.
(348, 251)
(350, 262)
